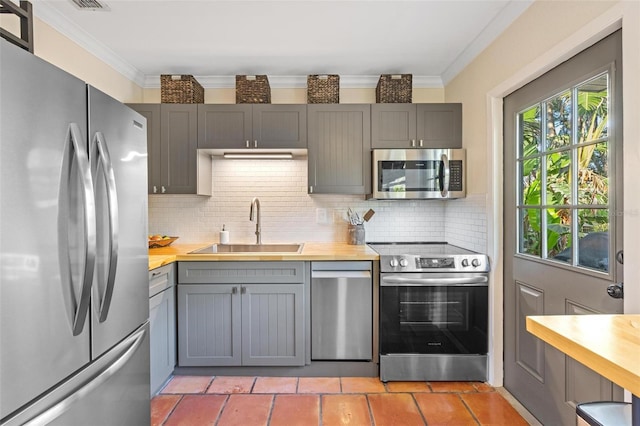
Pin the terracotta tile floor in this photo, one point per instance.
(326, 401)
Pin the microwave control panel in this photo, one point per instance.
(455, 175)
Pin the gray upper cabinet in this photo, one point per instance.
(252, 126)
(437, 125)
(175, 167)
(339, 148)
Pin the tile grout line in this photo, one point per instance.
(222, 407)
(469, 409)
(271, 407)
(172, 410)
(413, 397)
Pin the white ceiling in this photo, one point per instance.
(217, 39)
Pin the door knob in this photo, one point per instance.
(616, 290)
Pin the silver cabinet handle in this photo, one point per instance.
(163, 189)
(155, 189)
(444, 176)
(255, 143)
(413, 143)
(247, 144)
(311, 190)
(400, 281)
(75, 152)
(106, 166)
(421, 143)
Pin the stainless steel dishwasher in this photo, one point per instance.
(341, 311)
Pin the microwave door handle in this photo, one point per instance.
(444, 176)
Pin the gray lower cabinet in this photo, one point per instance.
(339, 148)
(241, 313)
(162, 329)
(437, 125)
(252, 126)
(174, 164)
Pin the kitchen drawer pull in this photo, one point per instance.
(243, 290)
(234, 290)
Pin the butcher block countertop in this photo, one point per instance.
(310, 251)
(608, 344)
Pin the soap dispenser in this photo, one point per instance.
(224, 236)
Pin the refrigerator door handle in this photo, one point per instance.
(75, 152)
(122, 354)
(106, 166)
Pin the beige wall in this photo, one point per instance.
(547, 34)
(54, 47)
(540, 28)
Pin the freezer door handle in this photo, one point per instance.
(109, 366)
(105, 167)
(76, 161)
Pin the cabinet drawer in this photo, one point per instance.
(160, 279)
(240, 272)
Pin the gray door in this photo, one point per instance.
(279, 126)
(272, 324)
(42, 232)
(117, 150)
(209, 325)
(225, 126)
(563, 230)
(339, 149)
(179, 136)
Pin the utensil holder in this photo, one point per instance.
(356, 234)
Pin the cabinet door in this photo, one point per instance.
(279, 126)
(209, 325)
(272, 324)
(339, 149)
(179, 136)
(162, 337)
(154, 166)
(439, 125)
(224, 126)
(393, 126)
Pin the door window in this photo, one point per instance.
(564, 176)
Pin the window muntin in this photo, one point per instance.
(564, 177)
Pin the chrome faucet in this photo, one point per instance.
(256, 203)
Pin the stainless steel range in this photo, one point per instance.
(433, 312)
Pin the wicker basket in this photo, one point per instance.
(252, 89)
(394, 89)
(323, 89)
(180, 89)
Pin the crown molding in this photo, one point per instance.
(499, 24)
(76, 34)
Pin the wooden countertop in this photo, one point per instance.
(608, 344)
(310, 251)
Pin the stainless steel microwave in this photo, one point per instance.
(418, 174)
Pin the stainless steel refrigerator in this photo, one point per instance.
(74, 308)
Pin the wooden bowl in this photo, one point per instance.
(161, 243)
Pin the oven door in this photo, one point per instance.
(433, 313)
(418, 173)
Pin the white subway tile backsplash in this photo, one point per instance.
(289, 213)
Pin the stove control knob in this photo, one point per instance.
(475, 263)
(404, 263)
(393, 263)
(465, 262)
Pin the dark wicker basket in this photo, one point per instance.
(252, 89)
(323, 89)
(394, 89)
(180, 89)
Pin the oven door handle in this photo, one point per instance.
(401, 281)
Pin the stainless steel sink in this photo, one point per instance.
(249, 248)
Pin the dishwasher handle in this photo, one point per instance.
(340, 274)
(441, 281)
